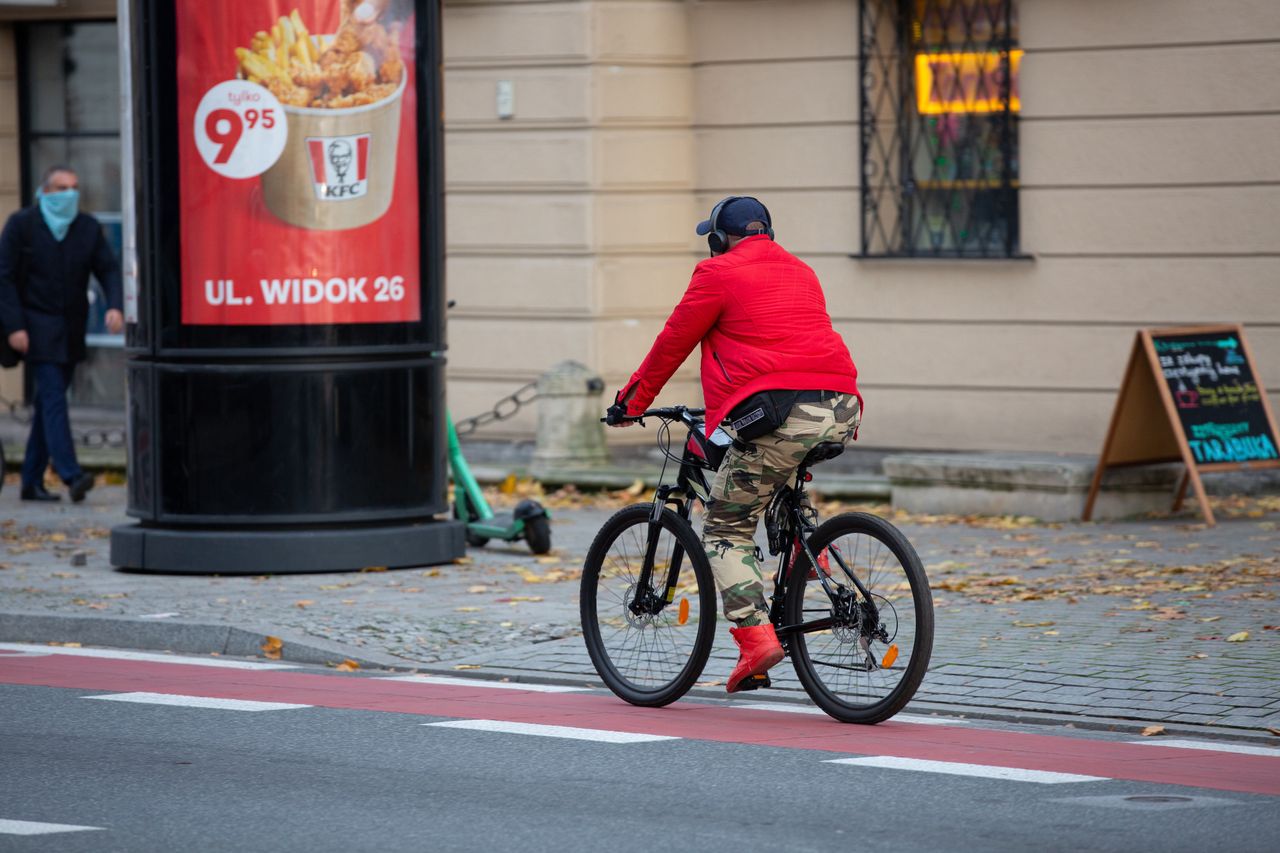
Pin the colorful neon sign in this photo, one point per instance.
(965, 82)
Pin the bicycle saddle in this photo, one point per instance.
(822, 451)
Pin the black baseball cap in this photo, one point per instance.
(734, 217)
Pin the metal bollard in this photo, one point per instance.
(570, 434)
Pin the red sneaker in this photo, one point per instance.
(759, 649)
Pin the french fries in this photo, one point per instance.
(358, 65)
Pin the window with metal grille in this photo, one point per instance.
(939, 128)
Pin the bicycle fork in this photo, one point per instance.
(647, 600)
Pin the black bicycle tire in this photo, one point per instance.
(892, 538)
(537, 533)
(695, 558)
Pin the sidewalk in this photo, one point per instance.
(1092, 623)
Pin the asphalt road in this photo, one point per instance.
(361, 765)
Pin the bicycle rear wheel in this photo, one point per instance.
(861, 664)
(647, 658)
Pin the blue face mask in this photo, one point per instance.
(59, 210)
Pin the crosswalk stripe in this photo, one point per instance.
(539, 730)
(32, 827)
(196, 701)
(475, 682)
(956, 768)
(121, 654)
(789, 708)
(1213, 746)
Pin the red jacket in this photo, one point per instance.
(762, 320)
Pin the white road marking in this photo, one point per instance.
(31, 827)
(121, 654)
(956, 768)
(196, 701)
(1213, 746)
(538, 730)
(475, 682)
(788, 708)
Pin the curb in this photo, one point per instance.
(195, 638)
(181, 638)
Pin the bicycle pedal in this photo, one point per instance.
(754, 682)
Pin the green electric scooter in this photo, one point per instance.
(528, 521)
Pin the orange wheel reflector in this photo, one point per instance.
(890, 656)
(683, 615)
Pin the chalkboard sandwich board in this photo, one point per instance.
(1193, 395)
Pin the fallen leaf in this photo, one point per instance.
(508, 485)
(548, 560)
(1050, 633)
(67, 645)
(64, 575)
(57, 537)
(1210, 618)
(636, 488)
(1197, 656)
(374, 569)
(1029, 624)
(347, 665)
(1238, 637)
(271, 647)
(304, 603)
(467, 666)
(466, 609)
(460, 561)
(1152, 730)
(431, 573)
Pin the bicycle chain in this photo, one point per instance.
(503, 409)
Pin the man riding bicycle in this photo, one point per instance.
(774, 366)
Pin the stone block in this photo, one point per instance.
(1045, 486)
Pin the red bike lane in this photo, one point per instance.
(1109, 759)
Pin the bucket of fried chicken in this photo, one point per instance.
(341, 95)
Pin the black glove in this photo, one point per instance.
(615, 414)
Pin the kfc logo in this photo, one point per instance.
(340, 166)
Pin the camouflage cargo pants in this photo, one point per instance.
(743, 486)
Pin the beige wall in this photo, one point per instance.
(1149, 197)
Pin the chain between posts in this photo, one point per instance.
(83, 437)
(503, 409)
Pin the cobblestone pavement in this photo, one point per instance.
(1122, 620)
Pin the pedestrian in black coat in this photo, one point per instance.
(47, 252)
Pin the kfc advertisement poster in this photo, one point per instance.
(298, 162)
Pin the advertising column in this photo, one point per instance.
(286, 363)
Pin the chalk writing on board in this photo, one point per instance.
(1216, 396)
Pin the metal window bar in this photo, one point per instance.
(938, 142)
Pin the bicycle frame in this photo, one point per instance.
(795, 529)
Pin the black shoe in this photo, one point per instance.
(80, 487)
(38, 493)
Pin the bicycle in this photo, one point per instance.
(648, 600)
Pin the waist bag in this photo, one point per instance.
(762, 413)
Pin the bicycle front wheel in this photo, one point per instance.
(648, 650)
(861, 660)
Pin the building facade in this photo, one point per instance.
(991, 223)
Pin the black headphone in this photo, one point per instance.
(718, 240)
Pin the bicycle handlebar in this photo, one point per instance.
(667, 413)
